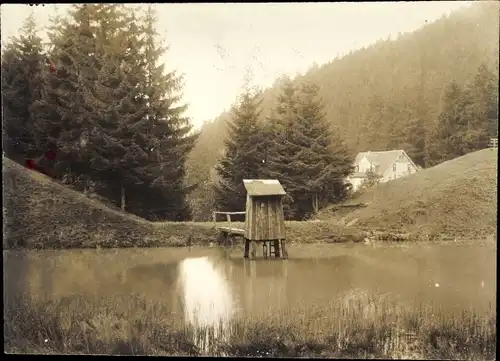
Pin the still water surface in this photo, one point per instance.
(211, 285)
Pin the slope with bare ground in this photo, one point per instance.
(457, 198)
(40, 213)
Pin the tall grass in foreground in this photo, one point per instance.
(363, 327)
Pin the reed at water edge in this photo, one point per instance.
(362, 326)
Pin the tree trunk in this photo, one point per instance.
(123, 198)
(315, 203)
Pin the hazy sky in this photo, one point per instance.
(213, 44)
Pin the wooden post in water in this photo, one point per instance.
(283, 248)
(253, 249)
(247, 248)
(266, 249)
(277, 248)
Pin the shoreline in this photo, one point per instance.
(203, 234)
(42, 214)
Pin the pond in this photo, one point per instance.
(211, 286)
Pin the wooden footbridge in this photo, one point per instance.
(264, 220)
(228, 231)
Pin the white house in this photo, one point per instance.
(388, 165)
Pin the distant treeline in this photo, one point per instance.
(98, 94)
(433, 93)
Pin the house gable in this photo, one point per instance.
(362, 165)
(401, 158)
(409, 160)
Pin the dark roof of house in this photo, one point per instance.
(383, 159)
(263, 187)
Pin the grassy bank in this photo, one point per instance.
(42, 214)
(350, 327)
(455, 199)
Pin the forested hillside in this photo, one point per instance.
(392, 95)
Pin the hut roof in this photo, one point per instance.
(263, 187)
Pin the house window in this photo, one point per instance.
(409, 168)
(394, 167)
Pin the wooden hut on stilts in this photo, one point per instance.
(264, 218)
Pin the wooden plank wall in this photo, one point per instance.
(264, 218)
(248, 217)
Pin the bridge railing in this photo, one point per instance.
(228, 217)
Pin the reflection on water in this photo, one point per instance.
(209, 288)
(207, 297)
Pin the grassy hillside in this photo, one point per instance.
(40, 213)
(455, 198)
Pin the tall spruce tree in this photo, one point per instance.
(242, 158)
(308, 157)
(113, 111)
(279, 146)
(168, 132)
(66, 114)
(484, 91)
(447, 140)
(23, 63)
(90, 107)
(124, 142)
(467, 120)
